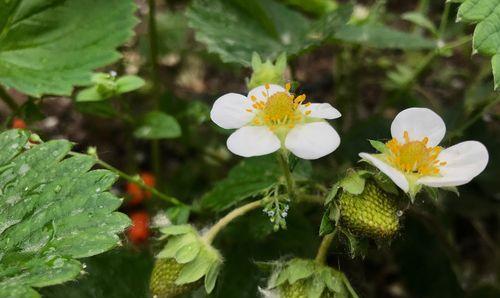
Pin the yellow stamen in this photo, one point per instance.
(414, 156)
(280, 110)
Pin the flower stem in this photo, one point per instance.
(215, 229)
(290, 184)
(323, 247)
(133, 179)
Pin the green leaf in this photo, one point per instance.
(383, 37)
(53, 210)
(107, 86)
(49, 46)
(270, 28)
(250, 177)
(419, 19)
(486, 40)
(128, 83)
(158, 125)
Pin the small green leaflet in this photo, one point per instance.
(107, 86)
(53, 210)
(486, 39)
(158, 125)
(49, 46)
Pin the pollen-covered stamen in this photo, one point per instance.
(414, 156)
(278, 110)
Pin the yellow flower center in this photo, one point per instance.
(414, 156)
(280, 110)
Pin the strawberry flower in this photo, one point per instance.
(412, 157)
(271, 117)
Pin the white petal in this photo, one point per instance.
(312, 140)
(230, 111)
(419, 123)
(259, 92)
(464, 161)
(321, 110)
(395, 175)
(253, 141)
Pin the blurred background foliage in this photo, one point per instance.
(370, 59)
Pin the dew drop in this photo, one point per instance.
(399, 213)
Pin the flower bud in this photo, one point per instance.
(165, 273)
(184, 264)
(267, 72)
(300, 278)
(372, 214)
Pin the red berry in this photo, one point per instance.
(135, 192)
(139, 231)
(150, 180)
(18, 123)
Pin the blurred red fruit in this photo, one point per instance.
(139, 231)
(136, 193)
(149, 180)
(18, 123)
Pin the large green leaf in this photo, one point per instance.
(52, 211)
(249, 178)
(48, 46)
(234, 29)
(486, 40)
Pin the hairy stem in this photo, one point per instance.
(215, 229)
(323, 248)
(290, 184)
(133, 179)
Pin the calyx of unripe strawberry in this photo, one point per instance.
(184, 261)
(301, 278)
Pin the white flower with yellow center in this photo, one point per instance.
(412, 157)
(271, 117)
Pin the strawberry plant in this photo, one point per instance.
(249, 148)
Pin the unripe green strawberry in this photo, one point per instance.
(373, 213)
(299, 290)
(295, 290)
(165, 273)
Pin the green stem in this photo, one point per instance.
(290, 184)
(133, 179)
(8, 99)
(471, 121)
(153, 56)
(223, 222)
(444, 20)
(349, 287)
(323, 248)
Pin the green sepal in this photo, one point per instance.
(353, 182)
(197, 257)
(379, 146)
(267, 72)
(317, 279)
